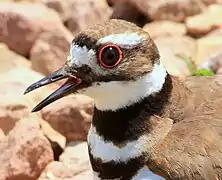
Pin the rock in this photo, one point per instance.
(13, 104)
(52, 134)
(165, 28)
(50, 50)
(58, 171)
(217, 32)
(76, 155)
(21, 24)
(12, 109)
(70, 116)
(74, 164)
(84, 175)
(219, 71)
(10, 59)
(205, 22)
(60, 6)
(208, 50)
(20, 79)
(170, 48)
(2, 135)
(128, 12)
(25, 152)
(114, 2)
(174, 10)
(94, 11)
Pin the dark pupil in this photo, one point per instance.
(110, 56)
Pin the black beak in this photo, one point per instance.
(67, 88)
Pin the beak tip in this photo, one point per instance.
(35, 109)
(29, 89)
(25, 92)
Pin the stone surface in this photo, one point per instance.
(10, 59)
(175, 10)
(94, 11)
(15, 106)
(71, 116)
(207, 49)
(205, 22)
(60, 6)
(59, 171)
(50, 50)
(84, 175)
(114, 2)
(165, 28)
(12, 110)
(170, 48)
(25, 152)
(76, 155)
(21, 23)
(73, 165)
(15, 81)
(128, 12)
(2, 135)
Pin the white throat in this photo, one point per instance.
(114, 95)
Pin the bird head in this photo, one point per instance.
(116, 63)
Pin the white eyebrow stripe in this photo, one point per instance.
(125, 40)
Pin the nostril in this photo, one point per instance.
(56, 77)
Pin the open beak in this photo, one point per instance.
(67, 88)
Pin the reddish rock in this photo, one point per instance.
(219, 71)
(170, 48)
(128, 12)
(174, 10)
(25, 152)
(76, 155)
(21, 24)
(84, 175)
(60, 6)
(15, 106)
(10, 59)
(14, 82)
(71, 116)
(12, 109)
(50, 50)
(205, 22)
(209, 50)
(59, 171)
(86, 13)
(2, 135)
(114, 2)
(74, 165)
(165, 28)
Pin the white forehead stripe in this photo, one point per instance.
(80, 56)
(125, 40)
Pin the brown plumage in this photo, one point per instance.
(192, 149)
(184, 118)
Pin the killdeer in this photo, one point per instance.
(147, 124)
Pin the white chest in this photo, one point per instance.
(107, 151)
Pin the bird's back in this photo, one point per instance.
(193, 147)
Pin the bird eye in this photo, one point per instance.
(110, 55)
